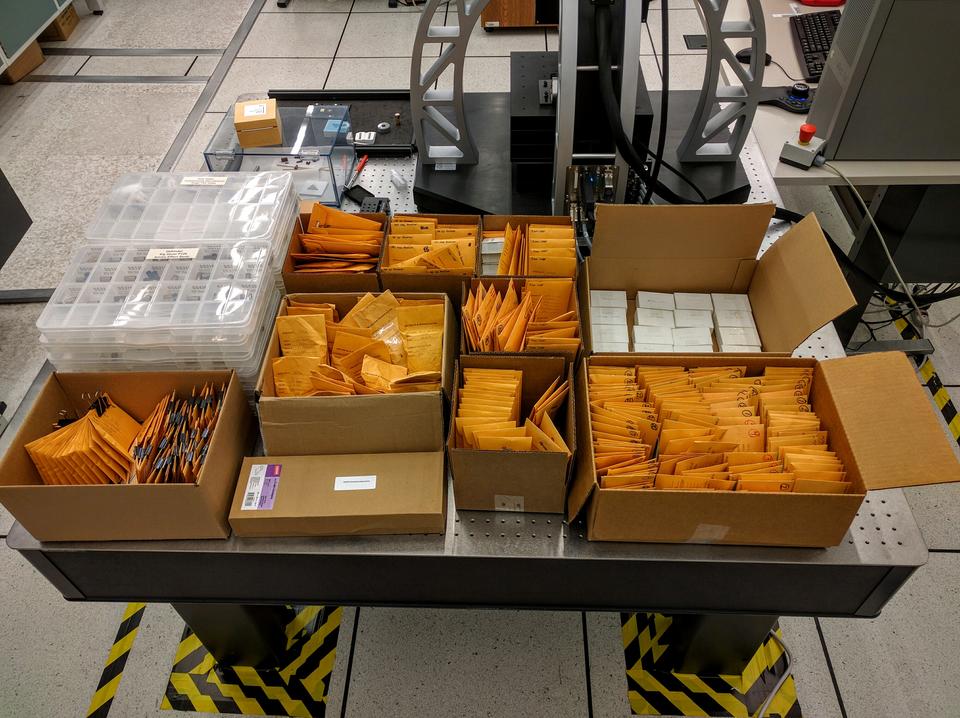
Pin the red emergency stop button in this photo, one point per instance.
(807, 131)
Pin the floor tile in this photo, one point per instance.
(608, 672)
(6, 521)
(168, 24)
(427, 662)
(204, 65)
(305, 6)
(133, 66)
(20, 354)
(303, 35)
(682, 22)
(811, 674)
(686, 71)
(553, 40)
(501, 43)
(191, 159)
(904, 662)
(946, 340)
(805, 199)
(101, 131)
(937, 511)
(255, 75)
(482, 74)
(53, 649)
(651, 72)
(381, 6)
(380, 35)
(369, 73)
(60, 65)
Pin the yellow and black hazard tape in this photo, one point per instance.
(299, 687)
(116, 661)
(928, 376)
(654, 691)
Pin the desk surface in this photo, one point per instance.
(772, 126)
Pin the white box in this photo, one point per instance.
(653, 335)
(654, 348)
(693, 318)
(734, 318)
(491, 246)
(696, 349)
(735, 349)
(608, 315)
(611, 347)
(655, 300)
(728, 302)
(608, 298)
(689, 300)
(654, 317)
(692, 336)
(738, 336)
(607, 333)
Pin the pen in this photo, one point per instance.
(356, 173)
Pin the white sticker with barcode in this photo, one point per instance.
(355, 483)
(172, 253)
(257, 110)
(251, 496)
(262, 485)
(203, 181)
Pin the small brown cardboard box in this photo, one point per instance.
(62, 26)
(29, 60)
(125, 512)
(533, 481)
(795, 288)
(398, 280)
(501, 284)
(371, 423)
(499, 222)
(334, 281)
(341, 495)
(880, 423)
(257, 123)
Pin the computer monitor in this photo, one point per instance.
(888, 91)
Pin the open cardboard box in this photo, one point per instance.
(450, 283)
(501, 284)
(795, 288)
(372, 423)
(533, 481)
(341, 495)
(334, 281)
(499, 222)
(880, 423)
(126, 511)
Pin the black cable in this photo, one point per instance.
(789, 76)
(664, 101)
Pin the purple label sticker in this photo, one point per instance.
(262, 485)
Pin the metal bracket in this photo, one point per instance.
(722, 106)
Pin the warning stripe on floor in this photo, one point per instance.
(928, 375)
(116, 661)
(298, 687)
(654, 690)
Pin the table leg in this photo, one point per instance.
(716, 644)
(238, 635)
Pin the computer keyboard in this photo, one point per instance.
(813, 33)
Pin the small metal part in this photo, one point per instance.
(383, 128)
(396, 119)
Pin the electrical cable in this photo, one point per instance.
(787, 672)
(783, 70)
(664, 100)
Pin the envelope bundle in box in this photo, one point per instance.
(608, 321)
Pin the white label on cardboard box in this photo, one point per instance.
(203, 181)
(693, 318)
(691, 336)
(608, 315)
(172, 253)
(691, 300)
(608, 298)
(655, 300)
(653, 335)
(506, 502)
(654, 317)
(355, 483)
(262, 484)
(604, 333)
(255, 110)
(740, 336)
(731, 302)
(734, 318)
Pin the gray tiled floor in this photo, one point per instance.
(164, 65)
(61, 65)
(406, 662)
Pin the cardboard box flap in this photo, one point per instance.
(889, 422)
(584, 480)
(797, 287)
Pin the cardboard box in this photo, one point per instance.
(367, 424)
(257, 123)
(341, 495)
(533, 481)
(295, 282)
(398, 280)
(127, 512)
(501, 284)
(881, 425)
(499, 222)
(62, 26)
(795, 288)
(27, 61)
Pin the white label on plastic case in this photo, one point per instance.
(505, 502)
(355, 483)
(169, 253)
(258, 110)
(203, 181)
